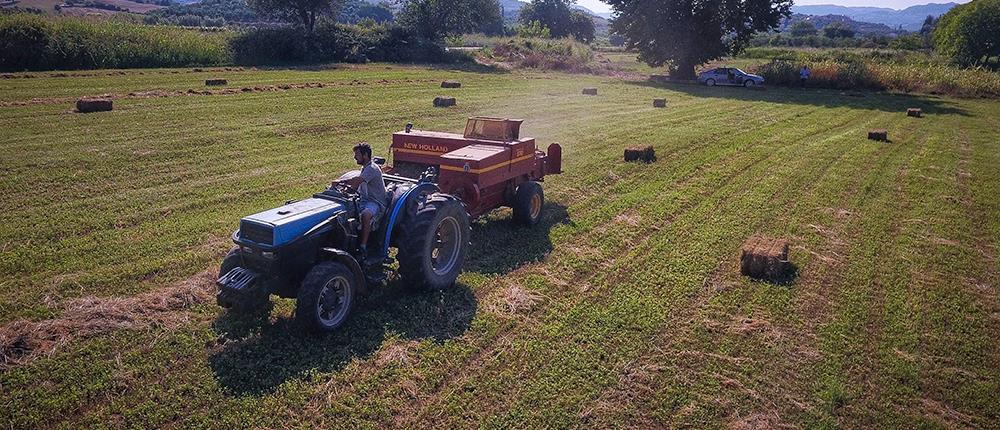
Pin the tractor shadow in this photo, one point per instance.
(855, 99)
(258, 353)
(499, 245)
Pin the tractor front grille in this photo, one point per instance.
(257, 233)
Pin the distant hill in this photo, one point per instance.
(909, 19)
(820, 21)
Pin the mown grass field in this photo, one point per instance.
(623, 308)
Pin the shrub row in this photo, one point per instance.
(550, 54)
(29, 42)
(874, 75)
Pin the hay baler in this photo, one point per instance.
(488, 166)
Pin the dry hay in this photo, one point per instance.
(660, 103)
(441, 101)
(23, 341)
(879, 135)
(216, 81)
(590, 91)
(915, 112)
(765, 258)
(640, 153)
(515, 299)
(451, 84)
(94, 105)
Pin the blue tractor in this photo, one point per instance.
(307, 250)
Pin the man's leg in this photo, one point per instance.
(366, 226)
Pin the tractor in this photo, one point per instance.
(307, 249)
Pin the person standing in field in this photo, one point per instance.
(804, 75)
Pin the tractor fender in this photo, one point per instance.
(399, 206)
(346, 259)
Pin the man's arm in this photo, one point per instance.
(352, 182)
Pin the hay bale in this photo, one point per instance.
(915, 112)
(879, 135)
(216, 81)
(441, 101)
(590, 91)
(765, 258)
(451, 84)
(660, 103)
(93, 105)
(640, 153)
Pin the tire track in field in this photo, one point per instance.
(642, 250)
(615, 262)
(647, 372)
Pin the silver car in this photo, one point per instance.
(729, 76)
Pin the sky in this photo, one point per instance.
(598, 6)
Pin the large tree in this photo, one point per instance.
(301, 12)
(686, 33)
(968, 33)
(559, 18)
(434, 19)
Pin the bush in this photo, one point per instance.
(550, 54)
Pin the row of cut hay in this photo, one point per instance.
(923, 78)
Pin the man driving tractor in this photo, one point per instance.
(370, 188)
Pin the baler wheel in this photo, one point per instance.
(326, 297)
(433, 243)
(528, 203)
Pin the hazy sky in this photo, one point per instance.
(598, 6)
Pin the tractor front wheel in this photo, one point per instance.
(326, 297)
(528, 202)
(433, 243)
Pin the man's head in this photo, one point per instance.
(363, 153)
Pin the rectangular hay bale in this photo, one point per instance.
(94, 105)
(915, 112)
(216, 81)
(640, 153)
(441, 101)
(451, 84)
(765, 258)
(879, 135)
(590, 91)
(660, 103)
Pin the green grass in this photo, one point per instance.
(633, 313)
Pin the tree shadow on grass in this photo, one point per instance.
(258, 355)
(888, 102)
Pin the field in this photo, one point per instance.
(623, 308)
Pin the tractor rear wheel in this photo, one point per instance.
(326, 297)
(433, 243)
(528, 202)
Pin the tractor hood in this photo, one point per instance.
(284, 224)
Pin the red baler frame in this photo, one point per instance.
(483, 166)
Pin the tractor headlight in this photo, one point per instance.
(268, 255)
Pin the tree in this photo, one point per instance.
(802, 29)
(838, 30)
(434, 19)
(968, 33)
(582, 26)
(559, 18)
(301, 12)
(685, 33)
